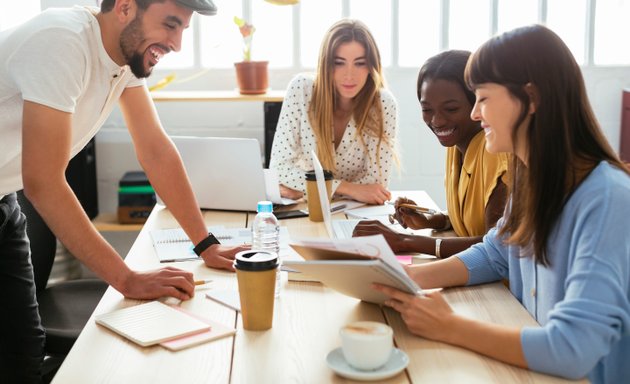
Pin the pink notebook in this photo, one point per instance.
(215, 332)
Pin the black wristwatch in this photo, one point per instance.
(205, 243)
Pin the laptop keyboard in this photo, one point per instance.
(343, 228)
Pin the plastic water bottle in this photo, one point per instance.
(266, 234)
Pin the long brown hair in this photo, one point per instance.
(367, 110)
(563, 139)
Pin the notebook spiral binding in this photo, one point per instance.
(187, 240)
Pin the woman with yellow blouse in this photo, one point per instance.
(475, 179)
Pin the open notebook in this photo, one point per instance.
(174, 245)
(350, 266)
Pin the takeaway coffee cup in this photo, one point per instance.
(366, 345)
(256, 275)
(312, 194)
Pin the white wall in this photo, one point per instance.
(422, 157)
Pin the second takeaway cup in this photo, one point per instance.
(312, 194)
(256, 275)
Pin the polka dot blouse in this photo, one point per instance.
(294, 139)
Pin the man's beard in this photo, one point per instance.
(129, 40)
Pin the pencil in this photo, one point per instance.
(202, 282)
(419, 208)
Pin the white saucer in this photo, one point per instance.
(396, 363)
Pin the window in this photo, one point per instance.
(377, 15)
(220, 41)
(419, 34)
(512, 14)
(469, 24)
(407, 31)
(570, 29)
(273, 39)
(315, 18)
(12, 15)
(611, 32)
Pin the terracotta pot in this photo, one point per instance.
(252, 77)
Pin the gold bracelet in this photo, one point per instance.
(438, 243)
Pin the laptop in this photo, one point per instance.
(226, 173)
(337, 229)
(342, 229)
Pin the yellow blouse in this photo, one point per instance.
(468, 189)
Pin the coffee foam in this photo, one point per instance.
(366, 329)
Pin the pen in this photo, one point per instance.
(338, 208)
(202, 282)
(332, 209)
(416, 208)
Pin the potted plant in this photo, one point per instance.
(252, 76)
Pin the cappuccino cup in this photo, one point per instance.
(366, 345)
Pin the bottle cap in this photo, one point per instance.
(265, 206)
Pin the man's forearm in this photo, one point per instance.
(167, 175)
(63, 214)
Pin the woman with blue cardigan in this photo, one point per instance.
(563, 240)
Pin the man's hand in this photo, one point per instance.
(167, 281)
(222, 256)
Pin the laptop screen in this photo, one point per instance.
(323, 194)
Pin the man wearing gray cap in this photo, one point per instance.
(61, 73)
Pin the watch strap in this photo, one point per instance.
(205, 244)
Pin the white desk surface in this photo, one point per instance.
(307, 318)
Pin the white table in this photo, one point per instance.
(307, 318)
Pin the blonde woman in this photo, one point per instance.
(345, 113)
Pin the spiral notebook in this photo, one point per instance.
(174, 245)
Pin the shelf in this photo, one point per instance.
(271, 96)
(108, 222)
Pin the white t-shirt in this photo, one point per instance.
(294, 139)
(56, 59)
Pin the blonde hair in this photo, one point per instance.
(367, 109)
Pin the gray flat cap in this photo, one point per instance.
(204, 7)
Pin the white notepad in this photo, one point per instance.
(174, 245)
(151, 323)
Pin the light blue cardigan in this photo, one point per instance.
(582, 300)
